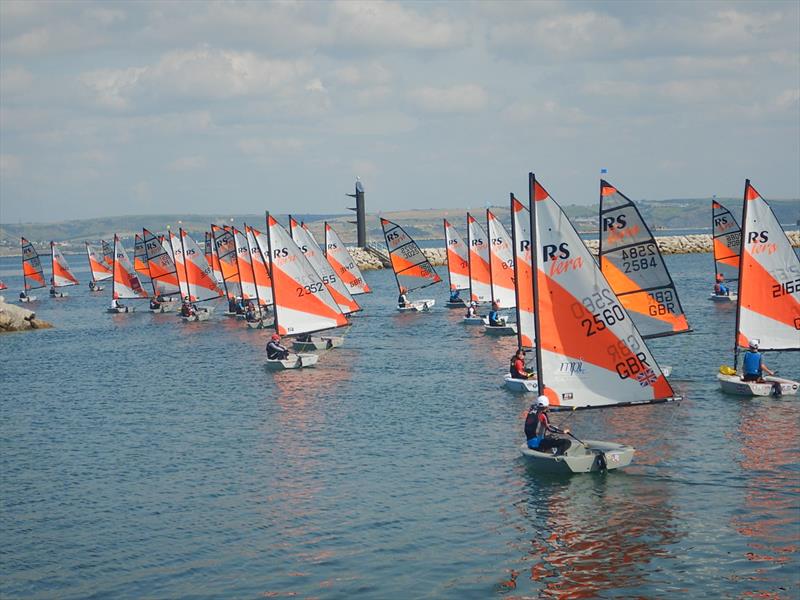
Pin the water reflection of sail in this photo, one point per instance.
(590, 537)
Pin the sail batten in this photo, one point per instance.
(412, 269)
(343, 263)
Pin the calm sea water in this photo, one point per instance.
(142, 457)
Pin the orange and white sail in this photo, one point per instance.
(523, 273)
(412, 269)
(501, 263)
(160, 265)
(225, 250)
(108, 253)
(768, 308)
(633, 265)
(247, 278)
(589, 352)
(200, 282)
(480, 279)
(140, 258)
(211, 258)
(32, 270)
(260, 267)
(176, 251)
(97, 265)
(303, 303)
(306, 242)
(343, 264)
(62, 275)
(126, 282)
(727, 240)
(457, 258)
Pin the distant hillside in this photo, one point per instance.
(422, 223)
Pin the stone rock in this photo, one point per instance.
(16, 318)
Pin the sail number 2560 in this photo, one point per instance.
(598, 312)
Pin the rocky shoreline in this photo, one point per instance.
(16, 318)
(677, 244)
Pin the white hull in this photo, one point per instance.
(295, 361)
(28, 299)
(201, 315)
(733, 384)
(318, 343)
(457, 304)
(165, 307)
(418, 305)
(520, 385)
(263, 324)
(580, 458)
(500, 330)
(119, 311)
(731, 298)
(60, 295)
(475, 321)
(97, 288)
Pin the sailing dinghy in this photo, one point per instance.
(727, 242)
(589, 353)
(457, 263)
(768, 306)
(523, 276)
(343, 263)
(125, 282)
(97, 267)
(339, 291)
(62, 275)
(412, 270)
(32, 271)
(501, 274)
(303, 303)
(195, 278)
(3, 286)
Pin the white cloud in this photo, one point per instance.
(465, 98)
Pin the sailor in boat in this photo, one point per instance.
(471, 313)
(276, 350)
(117, 305)
(517, 369)
(92, 285)
(52, 289)
(494, 316)
(239, 305)
(250, 313)
(753, 366)
(187, 308)
(455, 295)
(23, 296)
(231, 304)
(402, 299)
(720, 289)
(155, 302)
(540, 433)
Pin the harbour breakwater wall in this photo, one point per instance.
(16, 318)
(677, 244)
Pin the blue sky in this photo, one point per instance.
(226, 107)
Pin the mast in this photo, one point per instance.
(491, 275)
(469, 257)
(743, 225)
(252, 265)
(535, 280)
(447, 255)
(516, 275)
(271, 277)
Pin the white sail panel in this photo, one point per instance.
(160, 265)
(457, 258)
(32, 270)
(412, 269)
(343, 264)
(727, 240)
(126, 282)
(633, 265)
(225, 249)
(260, 268)
(199, 278)
(523, 269)
(306, 242)
(302, 302)
(501, 263)
(589, 350)
(97, 266)
(480, 279)
(62, 276)
(247, 277)
(211, 258)
(769, 280)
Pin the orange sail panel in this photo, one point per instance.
(633, 265)
(480, 279)
(412, 270)
(523, 269)
(160, 265)
(97, 266)
(769, 280)
(140, 258)
(343, 264)
(303, 303)
(32, 271)
(589, 351)
(126, 282)
(225, 249)
(501, 263)
(306, 242)
(457, 258)
(62, 276)
(200, 281)
(727, 239)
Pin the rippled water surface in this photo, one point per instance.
(144, 457)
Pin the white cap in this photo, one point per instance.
(542, 401)
(754, 344)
